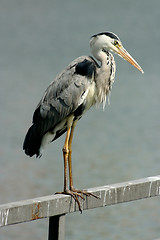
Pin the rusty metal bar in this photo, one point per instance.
(53, 205)
(56, 227)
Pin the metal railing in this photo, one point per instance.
(55, 207)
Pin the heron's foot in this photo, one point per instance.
(75, 193)
(84, 192)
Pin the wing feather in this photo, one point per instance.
(63, 96)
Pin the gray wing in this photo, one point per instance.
(65, 94)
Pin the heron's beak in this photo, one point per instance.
(125, 55)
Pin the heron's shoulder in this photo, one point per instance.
(85, 66)
(80, 60)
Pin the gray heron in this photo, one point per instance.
(74, 91)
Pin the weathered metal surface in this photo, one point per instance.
(54, 205)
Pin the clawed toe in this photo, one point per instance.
(85, 192)
(75, 193)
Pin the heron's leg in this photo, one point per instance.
(65, 157)
(67, 151)
(70, 166)
(70, 156)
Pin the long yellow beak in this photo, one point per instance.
(124, 54)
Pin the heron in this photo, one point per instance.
(84, 83)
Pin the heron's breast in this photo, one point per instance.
(91, 96)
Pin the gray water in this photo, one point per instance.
(37, 40)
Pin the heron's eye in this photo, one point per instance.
(116, 43)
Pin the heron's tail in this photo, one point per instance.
(32, 142)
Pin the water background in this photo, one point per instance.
(37, 40)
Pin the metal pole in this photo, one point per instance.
(57, 227)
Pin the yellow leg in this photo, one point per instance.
(67, 152)
(70, 156)
(65, 157)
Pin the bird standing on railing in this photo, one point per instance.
(81, 85)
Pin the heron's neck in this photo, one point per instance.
(100, 56)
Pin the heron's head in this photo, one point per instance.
(107, 41)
